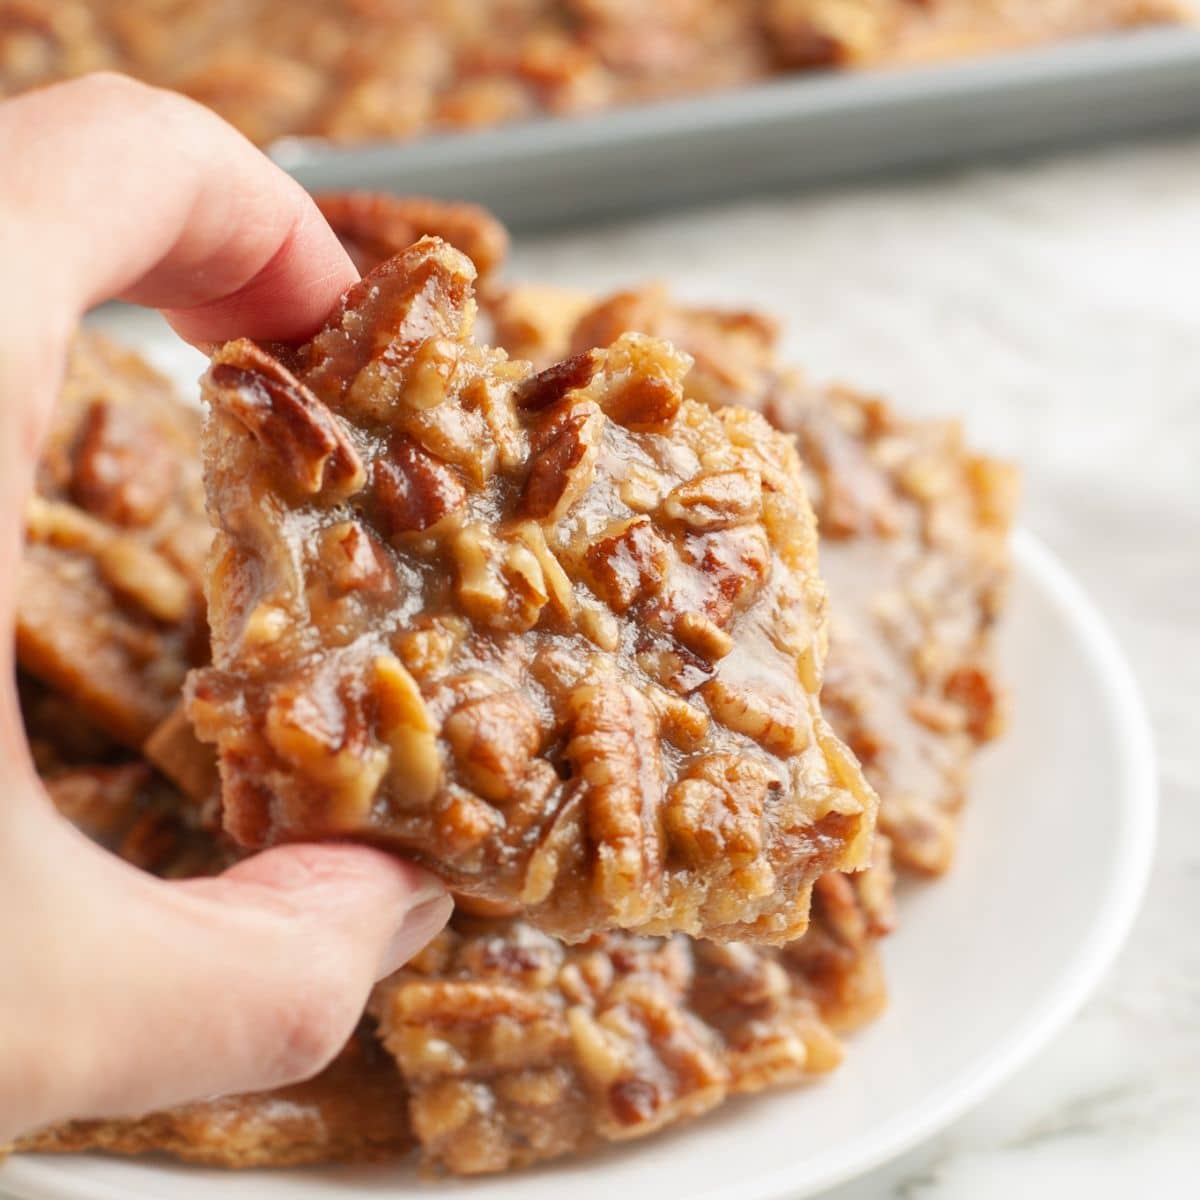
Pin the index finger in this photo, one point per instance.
(115, 189)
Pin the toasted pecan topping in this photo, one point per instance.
(373, 226)
(110, 612)
(517, 1048)
(399, 480)
(914, 530)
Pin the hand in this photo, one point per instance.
(120, 993)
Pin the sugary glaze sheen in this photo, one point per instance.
(516, 1048)
(109, 609)
(681, 1025)
(558, 635)
(914, 546)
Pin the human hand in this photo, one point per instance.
(120, 993)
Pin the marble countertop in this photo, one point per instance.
(1056, 306)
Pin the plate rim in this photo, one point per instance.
(1136, 836)
(24, 1178)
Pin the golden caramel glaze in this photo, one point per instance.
(402, 68)
(558, 635)
(914, 532)
(683, 1024)
(110, 611)
(517, 1048)
(503, 1046)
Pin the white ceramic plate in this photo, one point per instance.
(986, 966)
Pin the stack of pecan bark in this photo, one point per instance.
(524, 583)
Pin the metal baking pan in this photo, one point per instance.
(788, 132)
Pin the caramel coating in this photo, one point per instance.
(109, 608)
(557, 634)
(516, 1048)
(914, 545)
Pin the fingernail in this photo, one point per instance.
(425, 887)
(419, 925)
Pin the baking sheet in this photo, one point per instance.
(788, 132)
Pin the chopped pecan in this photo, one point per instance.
(628, 562)
(564, 450)
(551, 385)
(414, 490)
(493, 739)
(642, 387)
(716, 500)
(355, 558)
(407, 728)
(614, 751)
(300, 434)
(716, 810)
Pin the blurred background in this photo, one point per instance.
(981, 208)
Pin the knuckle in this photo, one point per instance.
(310, 1029)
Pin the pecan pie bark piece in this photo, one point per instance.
(915, 532)
(559, 635)
(58, 736)
(914, 546)
(535, 321)
(374, 226)
(110, 610)
(517, 1048)
(802, 34)
(132, 810)
(354, 1111)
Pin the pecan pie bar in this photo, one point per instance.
(110, 610)
(559, 635)
(353, 1111)
(374, 226)
(914, 531)
(517, 1048)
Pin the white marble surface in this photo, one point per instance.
(1057, 307)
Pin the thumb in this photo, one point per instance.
(246, 981)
